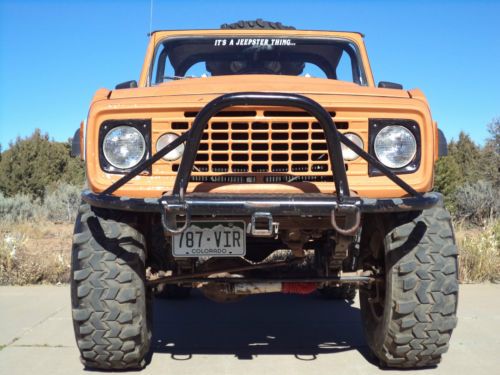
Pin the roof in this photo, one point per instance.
(243, 30)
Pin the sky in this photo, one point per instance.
(55, 54)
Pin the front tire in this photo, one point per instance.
(110, 302)
(409, 318)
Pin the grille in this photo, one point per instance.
(260, 147)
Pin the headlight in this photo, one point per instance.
(395, 146)
(124, 147)
(347, 153)
(165, 140)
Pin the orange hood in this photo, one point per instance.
(256, 83)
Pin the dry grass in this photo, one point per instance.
(479, 251)
(33, 253)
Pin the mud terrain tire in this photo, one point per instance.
(110, 302)
(418, 312)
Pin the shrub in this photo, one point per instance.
(479, 252)
(18, 208)
(62, 204)
(34, 163)
(59, 205)
(477, 201)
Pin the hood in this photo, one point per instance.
(256, 83)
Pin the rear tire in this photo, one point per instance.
(161, 261)
(172, 292)
(345, 292)
(410, 323)
(110, 302)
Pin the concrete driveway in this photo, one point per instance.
(268, 334)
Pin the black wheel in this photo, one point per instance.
(342, 292)
(409, 318)
(172, 292)
(110, 302)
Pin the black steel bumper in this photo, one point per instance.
(315, 205)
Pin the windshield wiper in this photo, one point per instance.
(176, 78)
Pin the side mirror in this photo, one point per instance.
(442, 144)
(126, 85)
(76, 148)
(390, 85)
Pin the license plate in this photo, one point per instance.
(211, 238)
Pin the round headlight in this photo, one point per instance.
(347, 153)
(395, 146)
(124, 147)
(165, 140)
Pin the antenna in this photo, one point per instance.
(150, 17)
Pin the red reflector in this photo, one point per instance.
(298, 288)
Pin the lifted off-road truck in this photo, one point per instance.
(257, 159)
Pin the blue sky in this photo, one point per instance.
(55, 54)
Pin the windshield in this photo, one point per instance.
(179, 58)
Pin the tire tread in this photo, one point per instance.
(435, 256)
(108, 292)
(421, 261)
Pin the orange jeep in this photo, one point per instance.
(256, 159)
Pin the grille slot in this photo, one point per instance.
(180, 125)
(260, 147)
(290, 114)
(193, 114)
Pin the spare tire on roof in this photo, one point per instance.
(259, 23)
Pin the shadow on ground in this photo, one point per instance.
(302, 326)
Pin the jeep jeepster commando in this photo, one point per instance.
(259, 159)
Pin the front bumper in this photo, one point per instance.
(298, 205)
